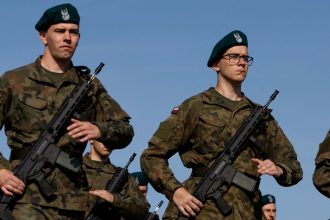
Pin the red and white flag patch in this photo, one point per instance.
(175, 110)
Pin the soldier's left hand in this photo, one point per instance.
(103, 194)
(268, 167)
(83, 130)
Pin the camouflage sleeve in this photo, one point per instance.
(321, 176)
(130, 202)
(165, 142)
(281, 152)
(3, 109)
(113, 122)
(4, 163)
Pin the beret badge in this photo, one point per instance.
(65, 14)
(238, 37)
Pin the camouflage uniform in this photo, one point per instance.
(198, 131)
(130, 203)
(321, 176)
(29, 97)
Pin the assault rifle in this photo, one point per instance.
(153, 215)
(221, 175)
(114, 185)
(44, 154)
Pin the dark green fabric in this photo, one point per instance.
(266, 199)
(64, 13)
(142, 180)
(234, 38)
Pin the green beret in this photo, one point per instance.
(65, 13)
(234, 38)
(267, 199)
(142, 180)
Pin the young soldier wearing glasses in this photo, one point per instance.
(200, 128)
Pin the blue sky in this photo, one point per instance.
(155, 55)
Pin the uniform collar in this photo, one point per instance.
(106, 167)
(211, 96)
(42, 75)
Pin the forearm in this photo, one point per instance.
(116, 133)
(321, 178)
(154, 165)
(282, 153)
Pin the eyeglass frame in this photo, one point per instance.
(247, 59)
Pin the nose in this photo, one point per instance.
(67, 35)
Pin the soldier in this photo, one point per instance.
(321, 176)
(200, 128)
(31, 95)
(268, 204)
(143, 186)
(130, 203)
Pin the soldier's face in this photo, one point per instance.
(100, 150)
(269, 211)
(61, 40)
(233, 72)
(144, 189)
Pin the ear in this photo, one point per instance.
(216, 67)
(42, 36)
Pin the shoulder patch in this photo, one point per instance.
(175, 110)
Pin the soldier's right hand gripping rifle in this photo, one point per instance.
(221, 175)
(114, 185)
(44, 154)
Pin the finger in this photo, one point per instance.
(94, 192)
(197, 202)
(6, 192)
(183, 211)
(256, 161)
(15, 190)
(74, 120)
(90, 136)
(194, 207)
(77, 133)
(189, 210)
(18, 182)
(75, 123)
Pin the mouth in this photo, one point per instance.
(66, 48)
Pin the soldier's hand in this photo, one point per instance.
(268, 167)
(108, 196)
(10, 184)
(187, 203)
(83, 130)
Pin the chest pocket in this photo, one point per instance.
(210, 135)
(30, 112)
(86, 108)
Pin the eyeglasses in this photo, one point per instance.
(234, 58)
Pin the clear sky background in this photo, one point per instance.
(155, 55)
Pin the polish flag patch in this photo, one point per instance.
(175, 110)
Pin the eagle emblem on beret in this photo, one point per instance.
(270, 199)
(65, 14)
(238, 37)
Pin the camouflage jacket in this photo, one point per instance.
(321, 176)
(29, 98)
(198, 130)
(130, 203)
